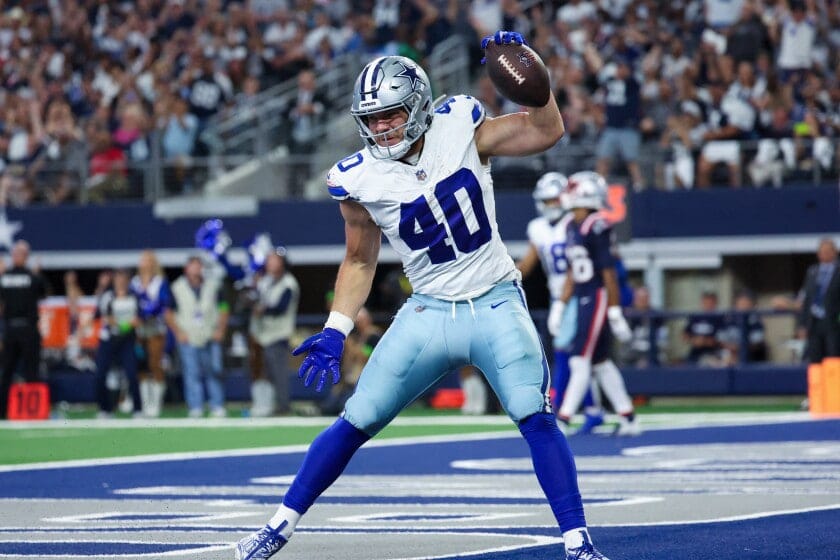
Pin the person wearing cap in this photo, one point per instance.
(273, 320)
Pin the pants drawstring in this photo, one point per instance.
(472, 309)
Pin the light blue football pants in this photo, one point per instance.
(430, 337)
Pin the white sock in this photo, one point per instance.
(285, 514)
(578, 383)
(576, 538)
(612, 384)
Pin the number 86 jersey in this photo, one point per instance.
(439, 214)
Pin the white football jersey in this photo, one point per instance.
(550, 241)
(440, 214)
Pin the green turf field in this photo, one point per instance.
(75, 434)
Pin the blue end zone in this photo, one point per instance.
(811, 536)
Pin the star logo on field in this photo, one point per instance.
(409, 73)
(8, 230)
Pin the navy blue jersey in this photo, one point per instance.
(622, 103)
(589, 252)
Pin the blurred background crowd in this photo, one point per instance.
(679, 94)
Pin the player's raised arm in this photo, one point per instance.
(520, 75)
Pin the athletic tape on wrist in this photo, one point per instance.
(340, 322)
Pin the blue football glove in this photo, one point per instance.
(502, 38)
(324, 358)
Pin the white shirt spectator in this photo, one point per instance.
(673, 67)
(280, 31)
(797, 43)
(745, 93)
(573, 13)
(487, 14)
(722, 13)
(733, 111)
(615, 8)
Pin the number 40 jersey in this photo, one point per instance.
(439, 214)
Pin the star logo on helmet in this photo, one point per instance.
(409, 73)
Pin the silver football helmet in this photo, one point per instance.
(393, 82)
(587, 189)
(551, 187)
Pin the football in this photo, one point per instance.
(518, 73)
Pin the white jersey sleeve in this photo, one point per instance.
(439, 214)
(550, 241)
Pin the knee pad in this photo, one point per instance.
(523, 402)
(364, 414)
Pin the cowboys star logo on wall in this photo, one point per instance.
(8, 230)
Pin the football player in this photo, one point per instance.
(591, 258)
(547, 245)
(423, 179)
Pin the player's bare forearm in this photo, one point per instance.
(611, 284)
(568, 289)
(355, 275)
(521, 134)
(529, 261)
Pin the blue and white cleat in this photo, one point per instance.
(590, 422)
(261, 544)
(585, 552)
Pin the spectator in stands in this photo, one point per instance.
(273, 320)
(61, 166)
(702, 331)
(748, 37)
(25, 133)
(683, 137)
(776, 150)
(208, 91)
(622, 111)
(151, 288)
(305, 118)
(729, 120)
(648, 333)
(120, 318)
(795, 32)
(198, 316)
(131, 137)
(819, 316)
(744, 327)
(21, 288)
(107, 177)
(180, 134)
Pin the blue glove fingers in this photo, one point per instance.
(306, 368)
(336, 372)
(305, 345)
(321, 379)
(485, 42)
(499, 37)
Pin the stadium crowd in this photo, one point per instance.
(91, 90)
